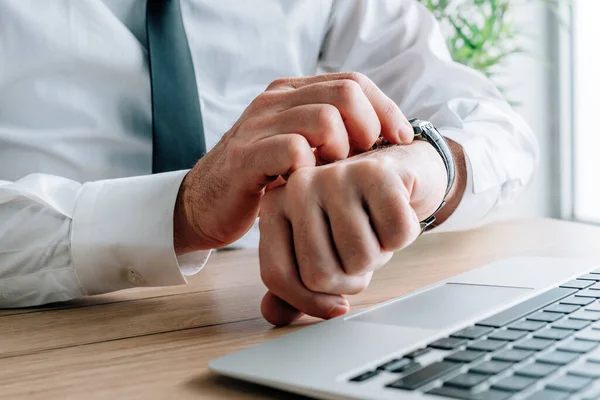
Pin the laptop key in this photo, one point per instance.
(395, 364)
(513, 355)
(534, 344)
(424, 375)
(577, 346)
(558, 357)
(487, 345)
(590, 277)
(507, 334)
(491, 367)
(456, 393)
(467, 381)
(586, 315)
(587, 370)
(577, 284)
(595, 306)
(472, 332)
(569, 383)
(528, 326)
(527, 307)
(553, 334)
(571, 324)
(536, 370)
(448, 343)
(543, 316)
(562, 308)
(591, 293)
(364, 376)
(547, 394)
(577, 301)
(465, 356)
(405, 368)
(417, 353)
(593, 335)
(514, 383)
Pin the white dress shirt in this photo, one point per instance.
(80, 213)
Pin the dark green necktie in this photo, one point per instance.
(178, 133)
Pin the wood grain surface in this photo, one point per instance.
(155, 343)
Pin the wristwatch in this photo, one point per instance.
(424, 130)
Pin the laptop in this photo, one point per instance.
(519, 328)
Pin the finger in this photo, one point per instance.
(393, 218)
(320, 124)
(356, 242)
(360, 119)
(277, 311)
(394, 125)
(277, 155)
(278, 266)
(318, 263)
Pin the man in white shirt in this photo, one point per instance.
(75, 107)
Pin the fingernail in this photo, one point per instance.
(337, 310)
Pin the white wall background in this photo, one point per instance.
(531, 82)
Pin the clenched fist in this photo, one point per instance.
(325, 231)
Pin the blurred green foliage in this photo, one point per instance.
(481, 33)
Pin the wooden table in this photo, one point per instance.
(156, 343)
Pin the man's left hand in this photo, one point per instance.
(324, 233)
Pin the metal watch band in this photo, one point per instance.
(425, 130)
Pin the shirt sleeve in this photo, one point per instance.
(399, 45)
(61, 240)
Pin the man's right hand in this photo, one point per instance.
(289, 126)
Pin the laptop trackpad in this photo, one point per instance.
(442, 306)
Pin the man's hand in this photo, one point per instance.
(326, 231)
(275, 136)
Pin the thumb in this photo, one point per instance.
(278, 312)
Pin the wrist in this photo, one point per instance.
(430, 178)
(185, 237)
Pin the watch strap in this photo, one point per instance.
(425, 130)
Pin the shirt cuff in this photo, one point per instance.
(122, 234)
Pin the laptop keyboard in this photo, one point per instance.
(508, 354)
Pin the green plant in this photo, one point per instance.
(480, 33)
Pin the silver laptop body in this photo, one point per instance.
(353, 356)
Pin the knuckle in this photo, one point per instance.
(360, 285)
(300, 181)
(278, 83)
(361, 260)
(317, 280)
(327, 116)
(263, 100)
(371, 167)
(359, 78)
(298, 151)
(348, 90)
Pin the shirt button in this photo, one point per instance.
(135, 279)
